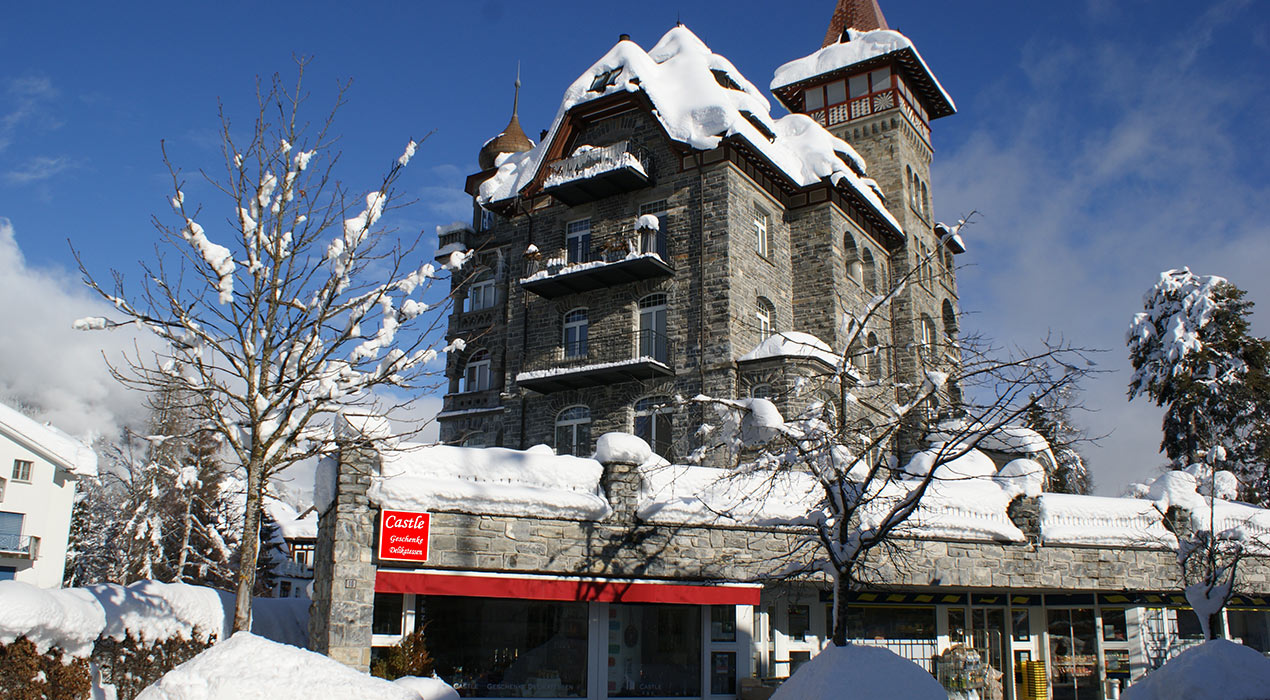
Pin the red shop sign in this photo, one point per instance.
(403, 536)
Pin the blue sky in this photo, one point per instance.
(1100, 141)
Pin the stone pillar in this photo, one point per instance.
(621, 482)
(343, 573)
(1025, 513)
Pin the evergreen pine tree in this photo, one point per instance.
(1050, 417)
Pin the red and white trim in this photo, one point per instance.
(474, 584)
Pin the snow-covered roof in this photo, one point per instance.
(699, 98)
(1099, 520)
(290, 522)
(702, 495)
(490, 480)
(49, 442)
(793, 344)
(862, 46)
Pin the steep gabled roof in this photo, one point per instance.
(861, 15)
(50, 443)
(699, 99)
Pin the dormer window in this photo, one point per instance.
(722, 78)
(604, 79)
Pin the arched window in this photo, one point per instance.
(575, 333)
(573, 431)
(875, 357)
(652, 328)
(950, 320)
(870, 272)
(858, 356)
(761, 391)
(912, 186)
(653, 424)
(930, 338)
(925, 201)
(851, 255)
(763, 241)
(476, 375)
(765, 313)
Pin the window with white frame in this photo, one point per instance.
(761, 391)
(22, 469)
(480, 295)
(653, 424)
(577, 241)
(575, 333)
(655, 242)
(11, 532)
(573, 431)
(476, 375)
(652, 328)
(764, 313)
(762, 237)
(930, 340)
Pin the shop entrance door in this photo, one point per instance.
(1073, 648)
(984, 665)
(991, 637)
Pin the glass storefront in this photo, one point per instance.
(1073, 654)
(654, 651)
(498, 648)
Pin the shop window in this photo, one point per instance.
(1249, 628)
(878, 623)
(501, 648)
(723, 672)
(799, 622)
(654, 651)
(386, 618)
(1020, 624)
(722, 623)
(1114, 628)
(1188, 625)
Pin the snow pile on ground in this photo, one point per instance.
(702, 495)
(74, 618)
(1098, 520)
(247, 667)
(68, 618)
(1218, 669)
(793, 344)
(490, 481)
(860, 672)
(49, 442)
(428, 688)
(621, 447)
(699, 98)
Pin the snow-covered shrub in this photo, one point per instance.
(409, 657)
(133, 662)
(28, 674)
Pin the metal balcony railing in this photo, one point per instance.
(636, 355)
(27, 546)
(593, 173)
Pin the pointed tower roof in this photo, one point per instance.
(860, 15)
(511, 140)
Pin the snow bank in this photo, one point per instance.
(793, 344)
(68, 618)
(701, 495)
(247, 667)
(49, 442)
(1099, 520)
(699, 98)
(428, 688)
(156, 610)
(966, 509)
(621, 447)
(1021, 477)
(491, 481)
(860, 672)
(1215, 670)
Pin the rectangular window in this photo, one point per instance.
(880, 79)
(813, 99)
(859, 85)
(762, 241)
(656, 242)
(22, 470)
(11, 532)
(577, 241)
(500, 648)
(723, 623)
(799, 621)
(487, 220)
(654, 651)
(836, 92)
(8, 573)
(1114, 628)
(723, 672)
(387, 613)
(284, 589)
(480, 295)
(876, 622)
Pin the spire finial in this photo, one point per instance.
(516, 96)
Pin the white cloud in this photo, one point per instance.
(1091, 182)
(58, 373)
(26, 100)
(38, 169)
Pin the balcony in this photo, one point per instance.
(470, 402)
(596, 361)
(20, 547)
(593, 173)
(609, 269)
(470, 324)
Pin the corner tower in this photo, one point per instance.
(870, 87)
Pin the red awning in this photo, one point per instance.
(483, 585)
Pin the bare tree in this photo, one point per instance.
(306, 306)
(851, 445)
